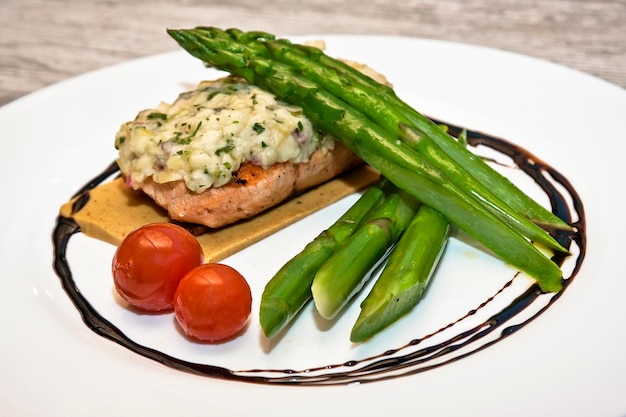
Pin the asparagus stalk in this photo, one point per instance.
(402, 282)
(425, 145)
(370, 96)
(345, 273)
(290, 288)
(405, 168)
(380, 102)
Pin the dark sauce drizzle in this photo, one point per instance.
(405, 360)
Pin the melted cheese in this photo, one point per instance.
(206, 134)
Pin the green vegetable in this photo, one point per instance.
(290, 288)
(156, 115)
(402, 282)
(430, 150)
(350, 124)
(345, 273)
(258, 128)
(380, 103)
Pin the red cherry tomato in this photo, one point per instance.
(151, 261)
(213, 302)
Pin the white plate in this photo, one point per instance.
(569, 360)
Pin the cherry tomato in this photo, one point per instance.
(213, 302)
(151, 261)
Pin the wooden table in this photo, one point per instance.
(43, 42)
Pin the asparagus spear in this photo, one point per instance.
(290, 288)
(402, 282)
(345, 273)
(380, 102)
(368, 95)
(425, 145)
(405, 168)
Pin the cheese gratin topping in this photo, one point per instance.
(206, 134)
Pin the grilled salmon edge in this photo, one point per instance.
(253, 190)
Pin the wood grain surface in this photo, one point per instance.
(43, 42)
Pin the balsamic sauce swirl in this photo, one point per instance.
(416, 355)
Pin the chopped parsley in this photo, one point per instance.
(258, 128)
(196, 130)
(157, 116)
(230, 145)
(180, 140)
(212, 94)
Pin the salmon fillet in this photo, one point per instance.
(252, 190)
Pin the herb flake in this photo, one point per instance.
(258, 128)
